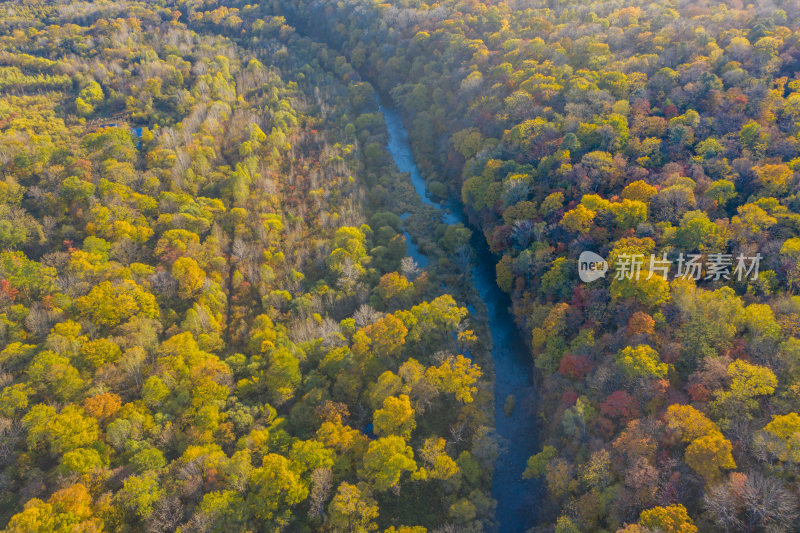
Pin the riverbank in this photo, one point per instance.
(518, 430)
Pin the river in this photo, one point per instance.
(517, 499)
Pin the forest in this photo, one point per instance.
(209, 321)
(213, 316)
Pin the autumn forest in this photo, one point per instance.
(320, 266)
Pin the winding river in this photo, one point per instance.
(517, 499)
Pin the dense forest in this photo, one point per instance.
(210, 314)
(622, 127)
(209, 321)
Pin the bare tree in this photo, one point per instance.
(167, 514)
(321, 484)
(365, 315)
(749, 502)
(409, 268)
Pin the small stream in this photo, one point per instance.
(517, 499)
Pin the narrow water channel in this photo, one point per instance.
(517, 499)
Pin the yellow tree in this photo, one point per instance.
(395, 418)
(66, 511)
(670, 519)
(782, 437)
(352, 510)
(709, 455)
(385, 461)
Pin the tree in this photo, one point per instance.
(32, 279)
(310, 455)
(638, 190)
(225, 509)
(456, 375)
(774, 178)
(687, 423)
(753, 138)
(641, 361)
(721, 191)
(75, 190)
(574, 366)
(629, 213)
(748, 382)
(90, 96)
(504, 274)
(753, 219)
(537, 464)
(619, 407)
(579, 219)
(67, 510)
(55, 376)
(154, 391)
(697, 233)
(711, 319)
(277, 488)
(752, 502)
(395, 418)
(385, 461)
(708, 451)
(556, 281)
(102, 406)
(140, 493)
(111, 143)
(189, 275)
(438, 465)
(394, 289)
(98, 352)
(384, 337)
(670, 519)
(62, 431)
(781, 437)
(108, 304)
(640, 324)
(14, 399)
(648, 291)
(352, 510)
(596, 472)
(282, 376)
(80, 461)
(552, 203)
(321, 484)
(708, 455)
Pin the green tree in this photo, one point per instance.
(140, 493)
(537, 464)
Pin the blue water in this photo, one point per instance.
(517, 499)
(414, 251)
(400, 149)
